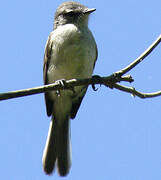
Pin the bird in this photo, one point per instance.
(70, 53)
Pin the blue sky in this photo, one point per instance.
(114, 135)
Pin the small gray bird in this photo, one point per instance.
(70, 52)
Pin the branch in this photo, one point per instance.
(69, 84)
(140, 58)
(134, 92)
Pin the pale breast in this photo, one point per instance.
(74, 53)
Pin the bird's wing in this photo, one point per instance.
(47, 57)
(78, 99)
(76, 102)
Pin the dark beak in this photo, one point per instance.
(88, 11)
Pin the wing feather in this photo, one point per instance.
(47, 57)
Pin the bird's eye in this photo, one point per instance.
(72, 14)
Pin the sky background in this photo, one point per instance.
(114, 135)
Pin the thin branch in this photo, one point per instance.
(140, 58)
(109, 81)
(69, 84)
(134, 92)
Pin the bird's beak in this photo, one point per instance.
(88, 11)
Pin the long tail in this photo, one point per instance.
(57, 148)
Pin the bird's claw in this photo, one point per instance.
(62, 83)
(93, 85)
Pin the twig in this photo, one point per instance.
(134, 92)
(140, 58)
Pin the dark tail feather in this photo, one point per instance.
(63, 148)
(49, 154)
(57, 148)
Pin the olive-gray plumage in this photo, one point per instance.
(70, 52)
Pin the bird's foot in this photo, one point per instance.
(97, 78)
(62, 83)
